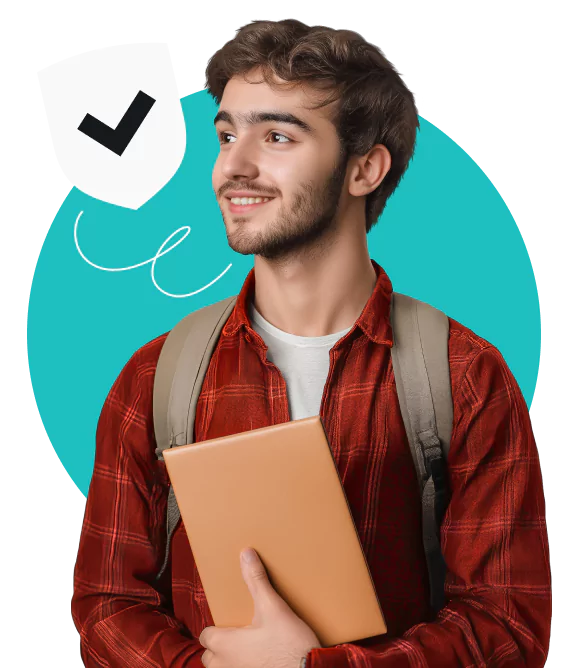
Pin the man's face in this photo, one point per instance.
(299, 168)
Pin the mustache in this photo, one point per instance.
(243, 186)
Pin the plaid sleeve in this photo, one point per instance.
(122, 616)
(494, 540)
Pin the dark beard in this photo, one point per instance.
(305, 226)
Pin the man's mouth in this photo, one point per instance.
(249, 203)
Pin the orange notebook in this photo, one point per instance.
(276, 489)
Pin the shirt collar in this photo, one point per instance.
(374, 320)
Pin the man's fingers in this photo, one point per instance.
(206, 657)
(212, 637)
(256, 579)
(205, 636)
(259, 574)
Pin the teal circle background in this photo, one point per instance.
(446, 237)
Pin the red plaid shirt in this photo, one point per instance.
(494, 538)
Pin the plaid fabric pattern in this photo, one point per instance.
(494, 538)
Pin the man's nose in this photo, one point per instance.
(241, 160)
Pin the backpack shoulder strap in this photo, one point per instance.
(180, 372)
(422, 375)
(181, 369)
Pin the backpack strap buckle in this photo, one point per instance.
(436, 469)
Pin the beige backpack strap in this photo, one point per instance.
(422, 375)
(180, 372)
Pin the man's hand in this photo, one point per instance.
(277, 637)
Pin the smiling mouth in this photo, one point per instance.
(243, 208)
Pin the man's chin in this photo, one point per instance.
(249, 247)
(243, 246)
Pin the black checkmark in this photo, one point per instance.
(117, 139)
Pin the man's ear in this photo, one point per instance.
(370, 169)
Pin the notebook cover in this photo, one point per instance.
(276, 489)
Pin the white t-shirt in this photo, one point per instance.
(302, 360)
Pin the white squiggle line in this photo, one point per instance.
(152, 260)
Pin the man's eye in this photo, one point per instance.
(222, 136)
(278, 134)
(279, 138)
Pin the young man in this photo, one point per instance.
(310, 333)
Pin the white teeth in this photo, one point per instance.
(249, 200)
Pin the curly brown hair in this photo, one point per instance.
(375, 106)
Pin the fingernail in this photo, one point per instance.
(248, 555)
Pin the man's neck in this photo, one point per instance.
(315, 294)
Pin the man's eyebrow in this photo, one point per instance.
(254, 117)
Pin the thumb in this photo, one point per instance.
(256, 579)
